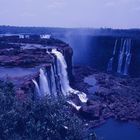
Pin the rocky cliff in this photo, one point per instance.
(27, 54)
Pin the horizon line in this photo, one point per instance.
(95, 28)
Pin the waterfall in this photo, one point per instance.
(121, 57)
(59, 81)
(53, 82)
(111, 60)
(62, 72)
(44, 87)
(110, 64)
(37, 87)
(128, 57)
(124, 57)
(74, 105)
(64, 81)
(115, 47)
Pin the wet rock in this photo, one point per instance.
(116, 97)
(29, 53)
(92, 110)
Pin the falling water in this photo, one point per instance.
(37, 87)
(128, 57)
(124, 57)
(59, 70)
(62, 72)
(53, 82)
(121, 57)
(115, 47)
(44, 87)
(64, 81)
(74, 105)
(110, 63)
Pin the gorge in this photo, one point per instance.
(102, 83)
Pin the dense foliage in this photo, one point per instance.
(63, 31)
(36, 119)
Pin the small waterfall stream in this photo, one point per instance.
(128, 57)
(37, 88)
(121, 57)
(43, 82)
(124, 57)
(110, 63)
(53, 82)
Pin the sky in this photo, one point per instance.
(71, 13)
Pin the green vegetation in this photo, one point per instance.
(41, 119)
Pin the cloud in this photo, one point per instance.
(71, 13)
(137, 8)
(56, 4)
(26, 14)
(110, 4)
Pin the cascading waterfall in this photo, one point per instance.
(53, 82)
(43, 88)
(37, 88)
(64, 81)
(128, 57)
(62, 72)
(59, 84)
(110, 63)
(124, 57)
(115, 47)
(121, 57)
(43, 82)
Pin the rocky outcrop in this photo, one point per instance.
(115, 97)
(31, 52)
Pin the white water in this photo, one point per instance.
(124, 57)
(37, 87)
(128, 57)
(110, 63)
(47, 36)
(53, 82)
(82, 96)
(62, 72)
(74, 105)
(115, 47)
(44, 87)
(64, 81)
(59, 70)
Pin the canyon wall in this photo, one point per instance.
(22, 57)
(96, 51)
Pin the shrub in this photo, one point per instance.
(41, 119)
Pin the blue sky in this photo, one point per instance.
(71, 13)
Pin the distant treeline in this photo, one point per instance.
(62, 31)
